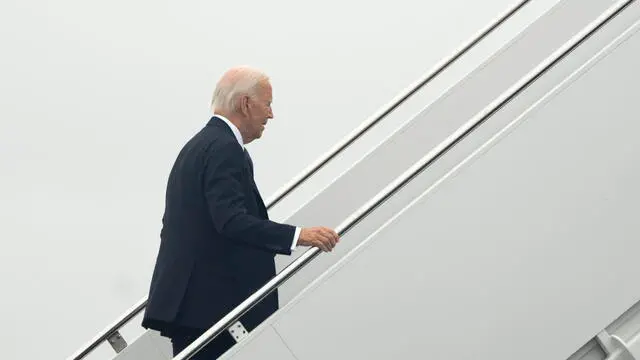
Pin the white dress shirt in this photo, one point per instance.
(238, 136)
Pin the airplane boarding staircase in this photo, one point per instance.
(496, 223)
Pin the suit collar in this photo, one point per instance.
(221, 121)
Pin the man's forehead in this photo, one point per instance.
(266, 88)
(266, 84)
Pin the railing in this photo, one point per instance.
(112, 334)
(405, 178)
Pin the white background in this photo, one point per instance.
(96, 99)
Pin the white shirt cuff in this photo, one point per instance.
(295, 239)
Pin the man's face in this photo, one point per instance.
(258, 111)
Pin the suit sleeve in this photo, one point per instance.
(225, 194)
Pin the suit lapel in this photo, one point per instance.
(263, 208)
(261, 205)
(217, 122)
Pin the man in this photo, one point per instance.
(217, 242)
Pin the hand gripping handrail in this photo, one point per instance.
(405, 178)
(111, 332)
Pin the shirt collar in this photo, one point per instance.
(234, 129)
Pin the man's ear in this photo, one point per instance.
(244, 105)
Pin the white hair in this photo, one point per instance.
(238, 81)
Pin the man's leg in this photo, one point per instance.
(212, 351)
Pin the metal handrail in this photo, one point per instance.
(405, 178)
(394, 103)
(112, 329)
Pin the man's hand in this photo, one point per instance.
(321, 237)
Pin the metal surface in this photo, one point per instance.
(393, 104)
(117, 342)
(405, 178)
(348, 140)
(238, 331)
(114, 327)
(625, 350)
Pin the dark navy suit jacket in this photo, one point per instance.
(217, 243)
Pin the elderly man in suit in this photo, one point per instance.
(217, 242)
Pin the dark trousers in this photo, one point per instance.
(214, 349)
